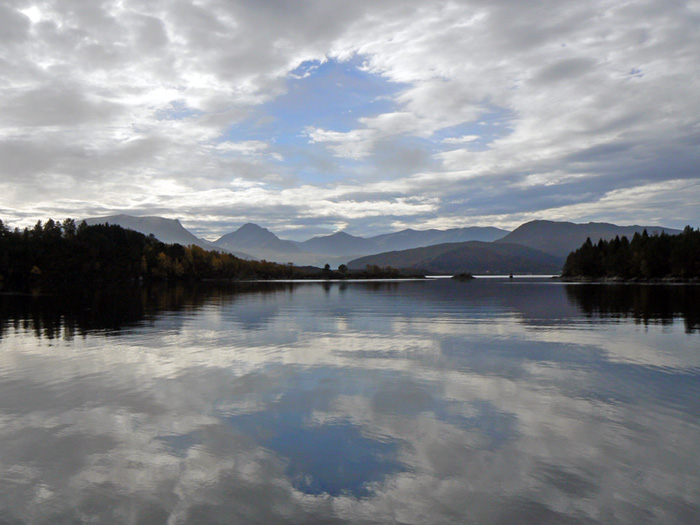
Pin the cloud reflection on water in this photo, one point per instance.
(418, 402)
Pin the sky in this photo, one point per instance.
(315, 116)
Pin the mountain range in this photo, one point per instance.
(534, 247)
(338, 248)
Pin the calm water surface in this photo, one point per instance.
(413, 402)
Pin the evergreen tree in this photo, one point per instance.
(646, 256)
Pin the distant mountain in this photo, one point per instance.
(340, 243)
(557, 239)
(260, 242)
(338, 247)
(343, 244)
(407, 239)
(475, 257)
(169, 231)
(561, 238)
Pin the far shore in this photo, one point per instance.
(631, 280)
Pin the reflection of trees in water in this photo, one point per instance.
(645, 303)
(108, 311)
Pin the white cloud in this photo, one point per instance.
(592, 98)
(246, 147)
(356, 144)
(464, 139)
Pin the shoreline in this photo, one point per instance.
(630, 280)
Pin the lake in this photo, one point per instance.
(489, 401)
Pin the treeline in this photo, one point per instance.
(644, 257)
(63, 254)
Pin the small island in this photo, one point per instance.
(464, 276)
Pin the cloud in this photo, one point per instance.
(490, 109)
(464, 139)
(246, 147)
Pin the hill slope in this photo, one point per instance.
(561, 238)
(472, 256)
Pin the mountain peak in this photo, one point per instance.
(341, 235)
(251, 230)
(251, 226)
(255, 238)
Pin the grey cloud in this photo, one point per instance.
(14, 26)
(33, 158)
(150, 34)
(316, 19)
(567, 69)
(361, 196)
(55, 105)
(521, 28)
(604, 95)
(249, 41)
(600, 152)
(20, 158)
(393, 157)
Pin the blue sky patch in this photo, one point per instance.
(333, 458)
(331, 95)
(492, 125)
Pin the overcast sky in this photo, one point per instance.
(317, 116)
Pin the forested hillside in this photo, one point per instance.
(59, 255)
(63, 254)
(644, 257)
